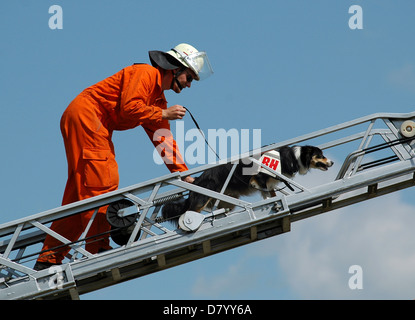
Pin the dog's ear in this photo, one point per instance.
(307, 155)
(289, 163)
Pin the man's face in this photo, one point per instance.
(185, 79)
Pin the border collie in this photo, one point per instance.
(288, 161)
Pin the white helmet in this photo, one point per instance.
(191, 58)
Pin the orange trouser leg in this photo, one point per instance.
(92, 170)
(72, 228)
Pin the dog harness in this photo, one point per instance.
(270, 159)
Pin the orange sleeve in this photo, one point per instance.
(142, 102)
(163, 141)
(140, 87)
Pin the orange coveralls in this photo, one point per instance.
(130, 98)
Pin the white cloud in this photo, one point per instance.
(225, 283)
(377, 235)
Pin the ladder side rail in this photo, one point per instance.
(332, 190)
(338, 187)
(60, 238)
(59, 212)
(363, 145)
(355, 159)
(350, 138)
(7, 273)
(101, 200)
(143, 215)
(319, 193)
(325, 132)
(351, 156)
(361, 180)
(391, 143)
(149, 183)
(83, 235)
(353, 184)
(372, 191)
(146, 202)
(81, 206)
(161, 245)
(12, 241)
(393, 126)
(135, 199)
(82, 272)
(278, 145)
(225, 184)
(403, 150)
(333, 129)
(166, 244)
(19, 255)
(149, 223)
(299, 139)
(354, 166)
(296, 140)
(24, 240)
(210, 193)
(347, 163)
(16, 266)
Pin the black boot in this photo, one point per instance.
(43, 265)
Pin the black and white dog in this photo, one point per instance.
(288, 162)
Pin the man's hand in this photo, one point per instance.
(174, 112)
(188, 179)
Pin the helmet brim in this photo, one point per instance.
(163, 60)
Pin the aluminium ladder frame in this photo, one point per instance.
(160, 245)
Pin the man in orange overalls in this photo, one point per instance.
(132, 97)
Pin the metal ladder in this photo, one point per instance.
(379, 159)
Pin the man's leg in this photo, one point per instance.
(92, 170)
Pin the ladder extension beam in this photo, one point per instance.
(379, 159)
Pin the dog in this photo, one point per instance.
(292, 160)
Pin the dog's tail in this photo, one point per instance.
(171, 211)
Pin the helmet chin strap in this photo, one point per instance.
(178, 73)
(178, 84)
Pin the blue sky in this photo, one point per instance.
(286, 67)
